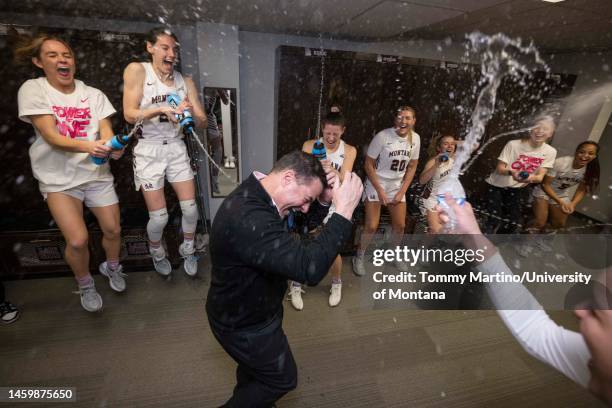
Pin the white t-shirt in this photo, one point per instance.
(154, 95)
(393, 153)
(77, 116)
(521, 156)
(565, 176)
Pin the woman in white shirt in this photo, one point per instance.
(71, 122)
(436, 169)
(161, 153)
(521, 162)
(390, 165)
(552, 196)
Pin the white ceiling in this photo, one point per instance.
(567, 26)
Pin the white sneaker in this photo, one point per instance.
(232, 164)
(187, 250)
(295, 295)
(358, 265)
(90, 298)
(335, 294)
(115, 277)
(160, 262)
(226, 164)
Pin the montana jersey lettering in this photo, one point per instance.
(154, 95)
(393, 153)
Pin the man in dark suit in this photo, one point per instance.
(253, 255)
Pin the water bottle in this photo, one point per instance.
(185, 119)
(117, 142)
(318, 150)
(443, 158)
(453, 186)
(523, 175)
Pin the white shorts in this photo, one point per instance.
(546, 197)
(154, 160)
(391, 187)
(93, 194)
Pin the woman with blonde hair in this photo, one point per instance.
(71, 122)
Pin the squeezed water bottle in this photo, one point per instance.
(453, 186)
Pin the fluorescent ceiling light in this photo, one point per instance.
(553, 1)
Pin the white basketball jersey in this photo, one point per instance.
(393, 153)
(154, 95)
(442, 171)
(337, 158)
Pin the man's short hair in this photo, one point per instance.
(333, 118)
(305, 166)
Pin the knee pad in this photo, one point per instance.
(157, 221)
(190, 216)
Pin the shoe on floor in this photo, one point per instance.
(335, 294)
(187, 250)
(160, 262)
(8, 312)
(358, 265)
(115, 277)
(295, 295)
(90, 298)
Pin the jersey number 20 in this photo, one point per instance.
(397, 165)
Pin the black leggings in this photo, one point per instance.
(504, 208)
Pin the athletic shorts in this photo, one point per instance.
(391, 187)
(93, 194)
(546, 197)
(155, 160)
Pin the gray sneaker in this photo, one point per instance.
(90, 299)
(115, 277)
(187, 250)
(160, 262)
(358, 265)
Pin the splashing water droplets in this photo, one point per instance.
(500, 57)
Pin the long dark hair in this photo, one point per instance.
(152, 35)
(592, 173)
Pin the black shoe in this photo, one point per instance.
(8, 312)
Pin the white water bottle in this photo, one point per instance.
(453, 186)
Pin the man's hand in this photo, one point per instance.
(346, 195)
(327, 195)
(465, 221)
